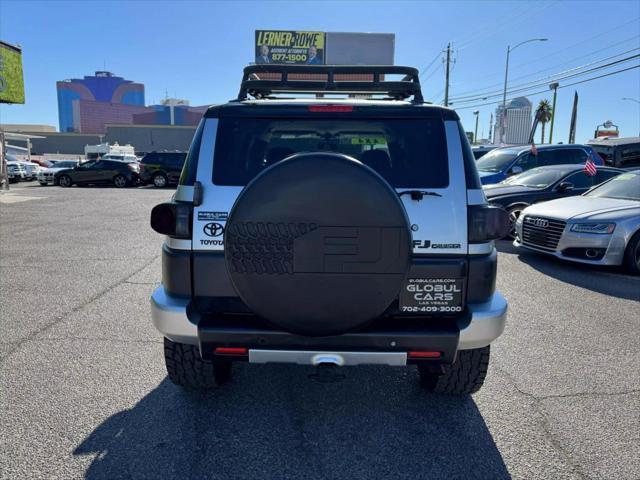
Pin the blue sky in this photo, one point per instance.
(196, 50)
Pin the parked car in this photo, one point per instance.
(601, 227)
(95, 172)
(480, 151)
(31, 169)
(501, 163)
(45, 175)
(16, 172)
(121, 157)
(161, 168)
(618, 152)
(295, 241)
(541, 184)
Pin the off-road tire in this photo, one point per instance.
(464, 377)
(630, 261)
(160, 180)
(187, 369)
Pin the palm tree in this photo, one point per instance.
(544, 113)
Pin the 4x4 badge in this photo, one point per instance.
(213, 229)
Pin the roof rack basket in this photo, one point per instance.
(253, 85)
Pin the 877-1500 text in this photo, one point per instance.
(431, 309)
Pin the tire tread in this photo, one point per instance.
(187, 369)
(465, 376)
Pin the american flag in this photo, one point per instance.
(590, 167)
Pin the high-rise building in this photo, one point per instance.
(171, 111)
(515, 126)
(86, 105)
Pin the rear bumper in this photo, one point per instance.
(484, 324)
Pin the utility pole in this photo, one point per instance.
(554, 86)
(446, 81)
(475, 132)
(574, 116)
(4, 177)
(490, 128)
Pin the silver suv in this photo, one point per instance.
(329, 231)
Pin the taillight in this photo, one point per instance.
(331, 108)
(173, 219)
(487, 222)
(231, 351)
(424, 354)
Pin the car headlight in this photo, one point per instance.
(601, 228)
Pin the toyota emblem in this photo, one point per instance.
(213, 229)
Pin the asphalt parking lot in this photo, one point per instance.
(84, 393)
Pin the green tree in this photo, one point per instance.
(544, 113)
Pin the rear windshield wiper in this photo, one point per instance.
(419, 194)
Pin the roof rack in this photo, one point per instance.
(253, 85)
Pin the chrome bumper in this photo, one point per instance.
(614, 245)
(169, 316)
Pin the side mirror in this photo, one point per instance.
(516, 169)
(564, 186)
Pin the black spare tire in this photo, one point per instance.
(318, 244)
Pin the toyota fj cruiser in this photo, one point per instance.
(329, 231)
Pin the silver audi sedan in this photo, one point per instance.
(601, 227)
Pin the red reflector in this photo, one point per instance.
(231, 350)
(424, 354)
(330, 108)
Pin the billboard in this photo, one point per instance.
(289, 47)
(348, 48)
(11, 81)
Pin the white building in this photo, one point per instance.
(515, 128)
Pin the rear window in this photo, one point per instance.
(408, 153)
(606, 153)
(151, 158)
(176, 160)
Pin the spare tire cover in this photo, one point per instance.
(318, 244)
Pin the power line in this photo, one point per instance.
(524, 89)
(529, 87)
(556, 52)
(424, 70)
(527, 14)
(562, 86)
(475, 90)
(554, 76)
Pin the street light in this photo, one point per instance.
(632, 99)
(475, 133)
(506, 74)
(554, 86)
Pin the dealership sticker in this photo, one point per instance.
(212, 216)
(432, 295)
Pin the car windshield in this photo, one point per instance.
(536, 178)
(406, 152)
(625, 186)
(496, 160)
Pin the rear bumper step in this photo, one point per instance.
(224, 331)
(486, 323)
(316, 358)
